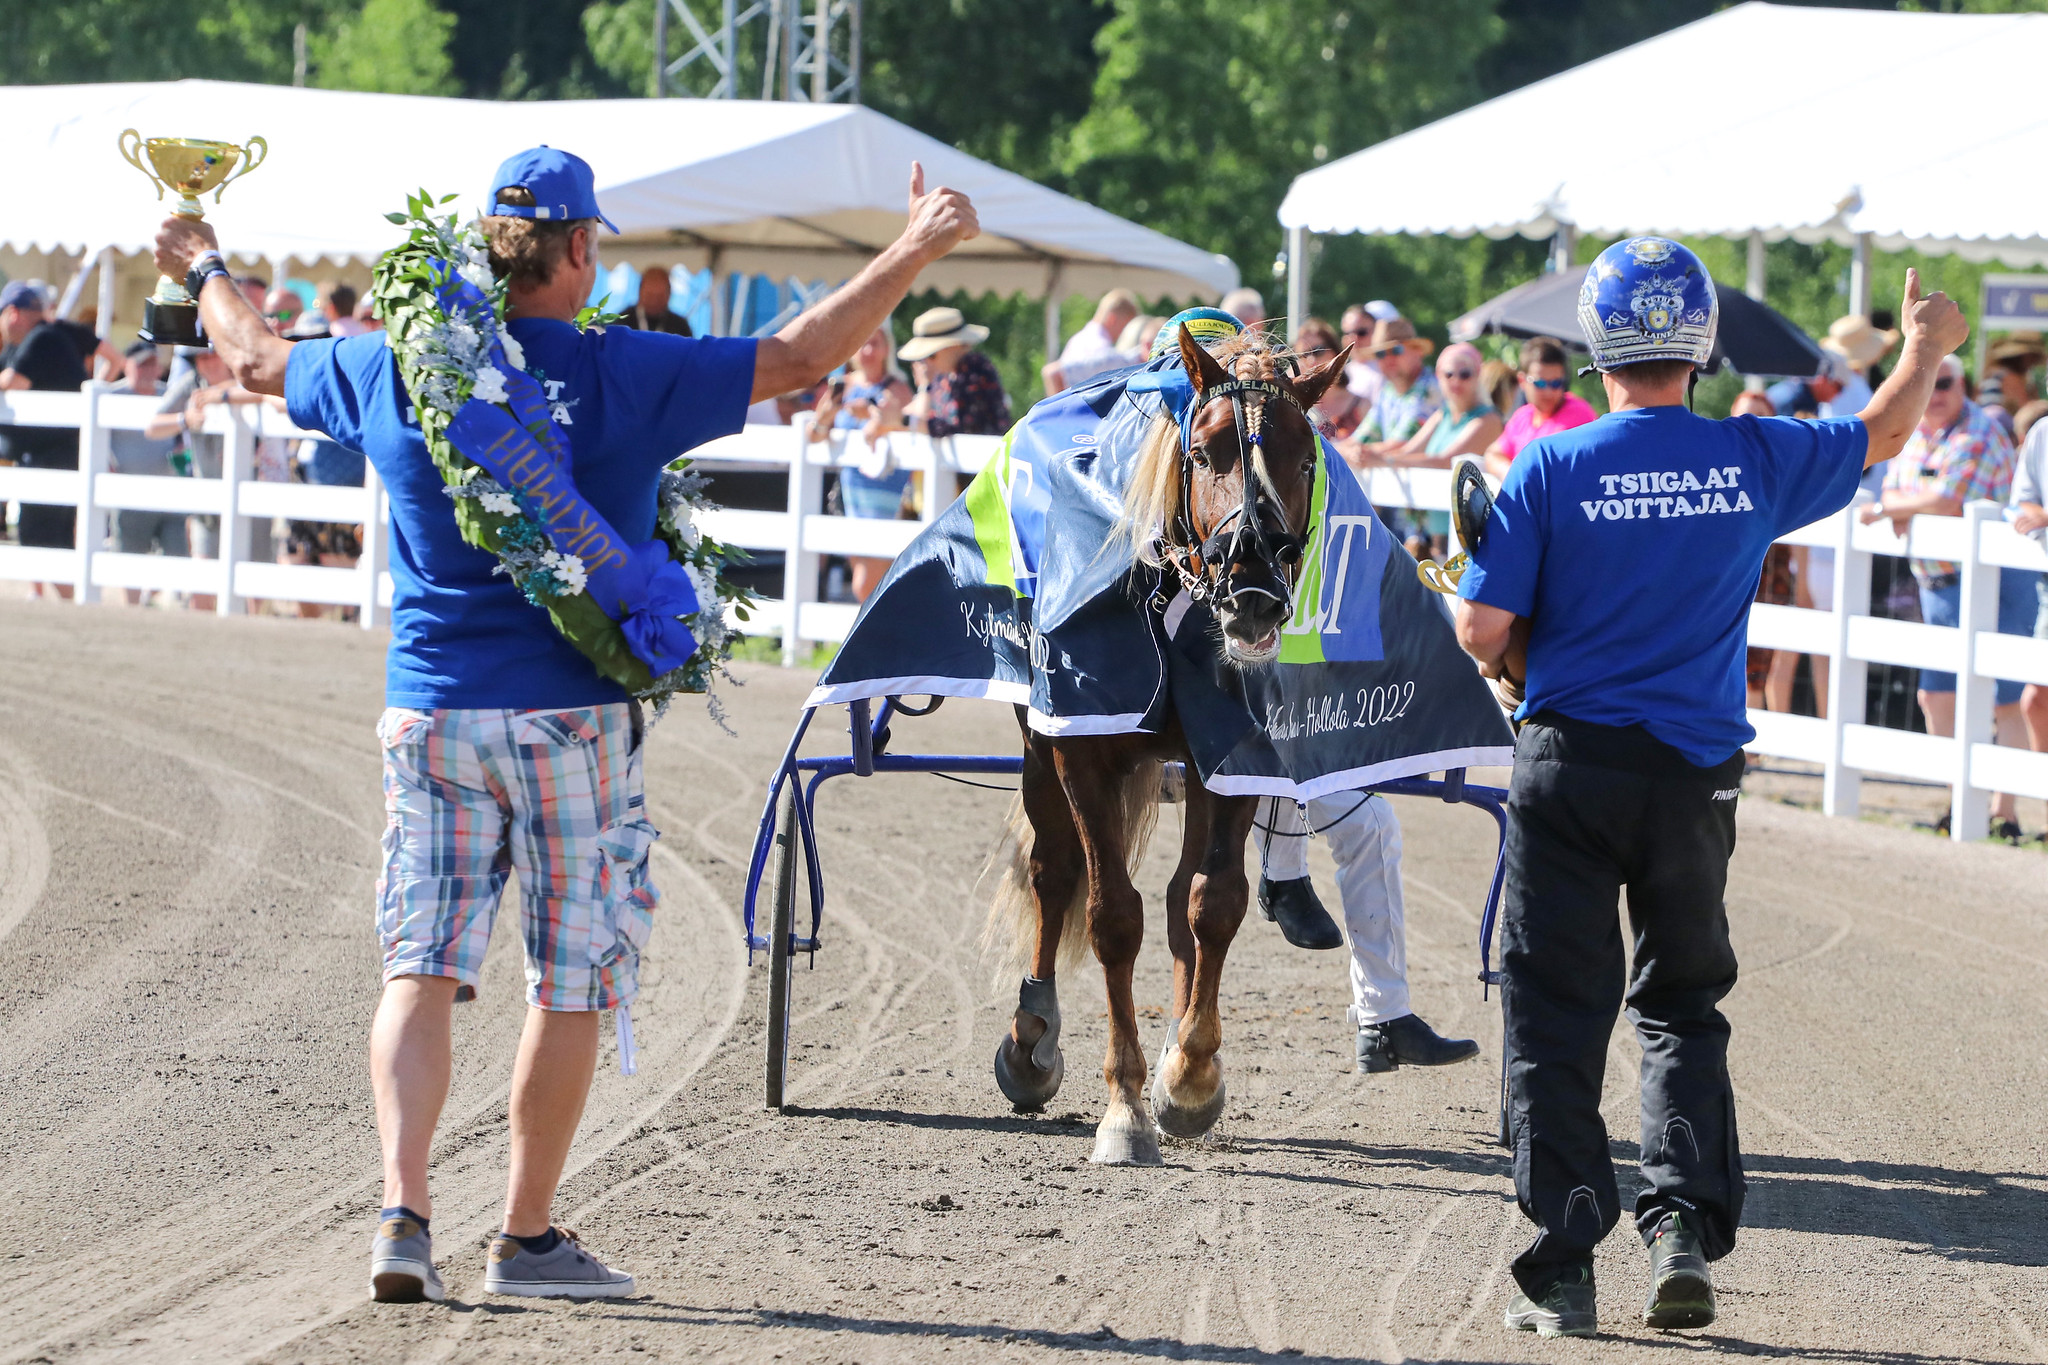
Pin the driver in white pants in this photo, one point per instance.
(1365, 839)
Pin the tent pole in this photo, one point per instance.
(1859, 277)
(1563, 246)
(1297, 278)
(105, 322)
(1753, 280)
(1053, 295)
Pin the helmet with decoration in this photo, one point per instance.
(1648, 298)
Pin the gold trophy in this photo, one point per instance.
(170, 317)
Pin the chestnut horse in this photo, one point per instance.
(1219, 503)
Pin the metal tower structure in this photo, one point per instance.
(787, 49)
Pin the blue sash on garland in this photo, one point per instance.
(641, 587)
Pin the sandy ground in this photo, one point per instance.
(188, 821)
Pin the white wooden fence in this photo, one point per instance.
(1849, 637)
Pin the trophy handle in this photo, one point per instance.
(252, 157)
(131, 151)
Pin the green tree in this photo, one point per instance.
(399, 47)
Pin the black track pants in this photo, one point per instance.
(1594, 809)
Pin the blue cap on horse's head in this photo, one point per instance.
(1206, 325)
(561, 183)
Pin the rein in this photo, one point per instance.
(1204, 565)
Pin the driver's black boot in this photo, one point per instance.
(1294, 906)
(1407, 1041)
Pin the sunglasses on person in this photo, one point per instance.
(1385, 351)
(1456, 374)
(1945, 383)
(1548, 384)
(1316, 351)
(1358, 331)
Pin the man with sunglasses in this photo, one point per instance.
(1629, 761)
(1549, 405)
(1361, 372)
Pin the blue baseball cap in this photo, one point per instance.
(561, 183)
(23, 294)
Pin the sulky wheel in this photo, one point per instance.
(780, 964)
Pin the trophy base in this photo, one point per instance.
(172, 324)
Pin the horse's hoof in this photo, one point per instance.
(1126, 1143)
(1023, 1082)
(1185, 1121)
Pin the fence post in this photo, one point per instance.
(93, 443)
(1970, 807)
(936, 464)
(376, 540)
(799, 569)
(238, 462)
(1848, 679)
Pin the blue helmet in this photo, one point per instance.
(1648, 298)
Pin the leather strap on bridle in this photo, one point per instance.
(1200, 564)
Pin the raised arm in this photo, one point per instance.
(1934, 326)
(824, 338)
(239, 334)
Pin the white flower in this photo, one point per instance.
(686, 531)
(569, 571)
(490, 385)
(476, 249)
(515, 354)
(500, 502)
(478, 275)
(706, 584)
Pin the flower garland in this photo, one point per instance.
(445, 359)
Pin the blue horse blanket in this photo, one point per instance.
(1024, 591)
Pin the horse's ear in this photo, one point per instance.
(1202, 367)
(1313, 385)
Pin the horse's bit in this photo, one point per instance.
(1199, 565)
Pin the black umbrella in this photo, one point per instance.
(1754, 338)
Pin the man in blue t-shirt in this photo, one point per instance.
(1612, 586)
(503, 747)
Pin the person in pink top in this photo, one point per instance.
(1551, 405)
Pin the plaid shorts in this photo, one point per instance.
(472, 795)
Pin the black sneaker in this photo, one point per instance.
(1681, 1288)
(2008, 831)
(1295, 907)
(1566, 1309)
(1408, 1041)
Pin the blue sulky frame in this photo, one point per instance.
(789, 819)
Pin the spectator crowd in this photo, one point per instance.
(1402, 404)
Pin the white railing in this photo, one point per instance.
(800, 531)
(234, 497)
(1849, 637)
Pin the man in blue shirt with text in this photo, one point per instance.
(1612, 586)
(504, 749)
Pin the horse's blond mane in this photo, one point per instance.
(1152, 500)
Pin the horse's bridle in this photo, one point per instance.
(1204, 566)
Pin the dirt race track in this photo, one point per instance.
(189, 811)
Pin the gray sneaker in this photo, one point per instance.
(1681, 1287)
(402, 1264)
(1567, 1309)
(567, 1272)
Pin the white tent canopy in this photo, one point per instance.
(786, 189)
(1917, 130)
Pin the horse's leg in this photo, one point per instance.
(1189, 1092)
(1094, 772)
(1029, 1065)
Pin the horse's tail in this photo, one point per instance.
(1009, 939)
